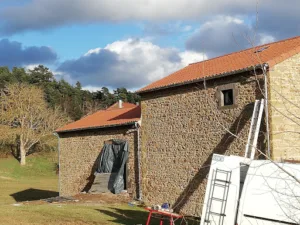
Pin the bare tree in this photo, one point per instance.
(26, 116)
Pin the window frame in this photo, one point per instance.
(220, 95)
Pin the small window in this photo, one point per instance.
(227, 97)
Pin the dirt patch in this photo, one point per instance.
(102, 198)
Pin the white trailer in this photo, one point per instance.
(241, 191)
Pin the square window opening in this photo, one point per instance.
(227, 97)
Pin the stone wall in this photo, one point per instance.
(79, 152)
(181, 129)
(284, 90)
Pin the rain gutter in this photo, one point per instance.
(97, 127)
(58, 154)
(137, 125)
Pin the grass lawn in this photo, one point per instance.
(37, 180)
(71, 214)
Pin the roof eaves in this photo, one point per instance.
(95, 127)
(215, 76)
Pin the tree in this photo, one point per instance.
(108, 98)
(40, 75)
(78, 85)
(26, 114)
(20, 75)
(72, 99)
(5, 76)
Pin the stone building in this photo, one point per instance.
(80, 144)
(187, 117)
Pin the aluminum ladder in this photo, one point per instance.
(218, 194)
(254, 129)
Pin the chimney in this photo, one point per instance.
(120, 104)
(137, 103)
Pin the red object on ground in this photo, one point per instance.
(164, 214)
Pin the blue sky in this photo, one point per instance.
(74, 40)
(132, 43)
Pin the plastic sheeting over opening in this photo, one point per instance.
(112, 161)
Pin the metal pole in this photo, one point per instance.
(58, 153)
(139, 161)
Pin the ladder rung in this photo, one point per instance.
(218, 214)
(221, 185)
(223, 171)
(225, 181)
(218, 199)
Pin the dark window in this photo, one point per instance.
(227, 97)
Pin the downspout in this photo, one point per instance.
(137, 125)
(58, 148)
(265, 66)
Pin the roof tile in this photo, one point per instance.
(275, 53)
(112, 116)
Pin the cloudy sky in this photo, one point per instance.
(130, 43)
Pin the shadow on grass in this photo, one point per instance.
(32, 194)
(134, 216)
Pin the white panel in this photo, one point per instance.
(226, 163)
(270, 193)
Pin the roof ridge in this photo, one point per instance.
(247, 49)
(104, 110)
(110, 108)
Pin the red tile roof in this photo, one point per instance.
(271, 53)
(112, 116)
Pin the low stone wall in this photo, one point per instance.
(182, 127)
(79, 152)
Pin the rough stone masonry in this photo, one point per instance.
(182, 127)
(78, 154)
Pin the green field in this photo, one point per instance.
(36, 180)
(19, 186)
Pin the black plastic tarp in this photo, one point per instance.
(112, 160)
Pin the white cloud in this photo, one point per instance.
(219, 35)
(225, 34)
(130, 63)
(30, 66)
(188, 57)
(266, 39)
(91, 88)
(59, 75)
(91, 51)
